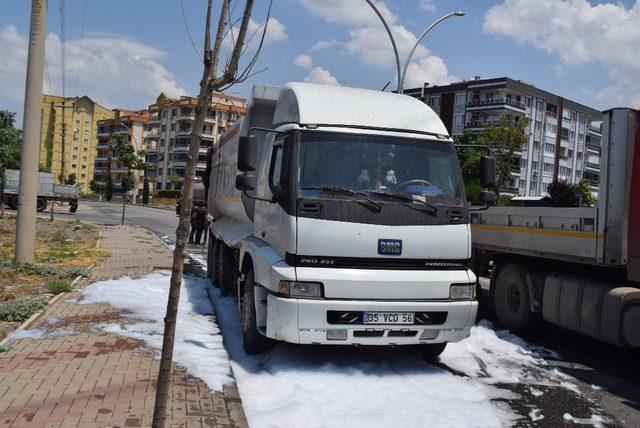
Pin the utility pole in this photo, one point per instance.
(30, 152)
(556, 159)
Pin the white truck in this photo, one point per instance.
(347, 224)
(578, 268)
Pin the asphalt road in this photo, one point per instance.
(160, 221)
(613, 372)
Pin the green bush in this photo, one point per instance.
(58, 285)
(73, 271)
(20, 310)
(168, 193)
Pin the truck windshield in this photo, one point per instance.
(422, 169)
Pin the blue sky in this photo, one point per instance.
(586, 51)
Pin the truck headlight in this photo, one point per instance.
(301, 289)
(462, 292)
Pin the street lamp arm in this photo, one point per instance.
(415, 46)
(393, 40)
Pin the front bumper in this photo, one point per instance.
(305, 321)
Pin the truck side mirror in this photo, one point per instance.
(247, 153)
(245, 182)
(487, 171)
(487, 197)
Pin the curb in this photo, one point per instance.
(37, 315)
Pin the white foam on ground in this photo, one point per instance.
(198, 345)
(595, 420)
(199, 258)
(26, 333)
(501, 357)
(308, 386)
(535, 415)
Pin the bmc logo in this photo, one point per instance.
(390, 247)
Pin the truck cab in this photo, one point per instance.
(347, 223)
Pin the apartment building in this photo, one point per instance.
(168, 131)
(474, 104)
(68, 138)
(128, 125)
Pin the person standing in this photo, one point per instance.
(194, 210)
(201, 218)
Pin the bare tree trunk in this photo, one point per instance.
(208, 84)
(124, 204)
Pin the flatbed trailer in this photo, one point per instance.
(578, 268)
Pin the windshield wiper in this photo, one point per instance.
(405, 198)
(363, 199)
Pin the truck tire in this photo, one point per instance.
(224, 269)
(12, 201)
(511, 300)
(41, 204)
(431, 351)
(212, 256)
(253, 341)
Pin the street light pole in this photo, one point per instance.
(393, 40)
(30, 152)
(424, 33)
(401, 74)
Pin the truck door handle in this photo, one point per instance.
(455, 215)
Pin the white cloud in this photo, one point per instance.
(111, 69)
(323, 44)
(578, 33)
(275, 31)
(353, 12)
(303, 61)
(369, 41)
(322, 76)
(427, 5)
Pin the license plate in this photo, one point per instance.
(387, 318)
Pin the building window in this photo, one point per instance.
(539, 105)
(549, 148)
(458, 118)
(547, 168)
(173, 126)
(574, 116)
(84, 167)
(86, 140)
(77, 121)
(73, 165)
(435, 101)
(174, 112)
(85, 149)
(83, 175)
(460, 99)
(552, 129)
(529, 101)
(164, 128)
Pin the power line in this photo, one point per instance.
(84, 18)
(186, 26)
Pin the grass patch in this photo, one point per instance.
(57, 285)
(20, 310)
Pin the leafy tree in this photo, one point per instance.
(469, 158)
(93, 186)
(145, 191)
(504, 139)
(564, 194)
(108, 191)
(71, 179)
(132, 161)
(176, 179)
(43, 168)
(10, 141)
(585, 193)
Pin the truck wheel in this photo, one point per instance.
(253, 341)
(13, 202)
(212, 259)
(511, 299)
(224, 269)
(431, 351)
(41, 205)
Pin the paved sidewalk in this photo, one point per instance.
(74, 374)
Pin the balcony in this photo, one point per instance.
(493, 103)
(185, 116)
(152, 134)
(103, 132)
(593, 165)
(479, 124)
(593, 146)
(183, 131)
(515, 169)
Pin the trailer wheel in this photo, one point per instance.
(41, 204)
(253, 341)
(511, 300)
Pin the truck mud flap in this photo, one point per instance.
(593, 308)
